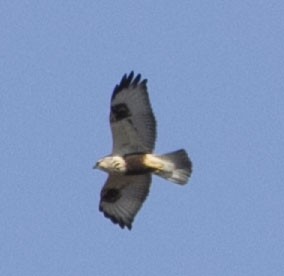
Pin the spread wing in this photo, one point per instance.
(122, 196)
(132, 120)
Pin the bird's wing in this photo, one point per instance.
(132, 120)
(122, 196)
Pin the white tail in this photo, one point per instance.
(177, 167)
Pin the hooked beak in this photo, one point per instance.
(96, 166)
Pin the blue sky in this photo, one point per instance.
(215, 77)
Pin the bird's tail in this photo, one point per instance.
(177, 167)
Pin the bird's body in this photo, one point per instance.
(141, 163)
(130, 164)
(132, 161)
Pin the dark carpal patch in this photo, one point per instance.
(111, 195)
(119, 112)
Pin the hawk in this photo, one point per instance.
(132, 162)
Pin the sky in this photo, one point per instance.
(215, 78)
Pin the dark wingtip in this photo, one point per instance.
(136, 80)
(114, 220)
(126, 81)
(131, 75)
(123, 225)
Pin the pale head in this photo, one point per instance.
(111, 164)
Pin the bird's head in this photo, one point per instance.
(111, 164)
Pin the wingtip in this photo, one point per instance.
(131, 75)
(120, 223)
(125, 225)
(128, 80)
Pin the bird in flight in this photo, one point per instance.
(132, 162)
